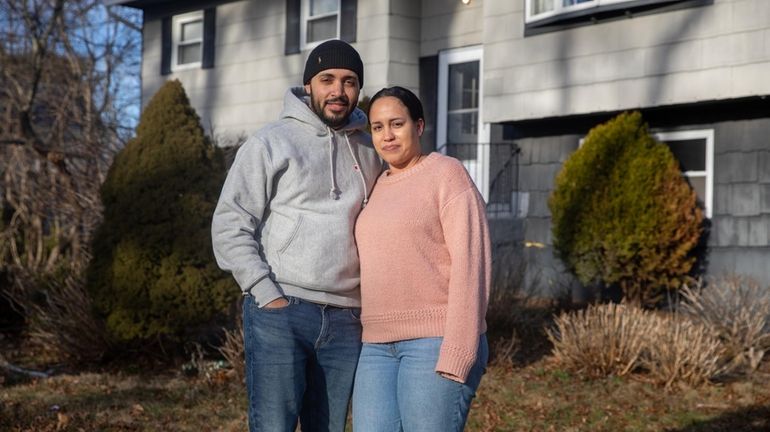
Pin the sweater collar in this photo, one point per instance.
(387, 178)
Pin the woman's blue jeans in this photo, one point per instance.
(397, 388)
(300, 364)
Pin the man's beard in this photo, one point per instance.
(335, 120)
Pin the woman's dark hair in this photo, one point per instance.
(409, 99)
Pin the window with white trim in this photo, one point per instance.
(694, 150)
(187, 37)
(537, 10)
(320, 22)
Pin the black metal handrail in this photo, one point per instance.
(503, 170)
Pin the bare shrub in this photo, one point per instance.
(516, 317)
(232, 349)
(616, 339)
(601, 340)
(681, 350)
(63, 323)
(738, 311)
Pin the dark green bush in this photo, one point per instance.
(153, 272)
(623, 214)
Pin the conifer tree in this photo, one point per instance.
(153, 272)
(623, 214)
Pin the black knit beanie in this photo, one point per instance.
(333, 54)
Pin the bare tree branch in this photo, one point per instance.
(62, 118)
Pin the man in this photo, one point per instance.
(284, 228)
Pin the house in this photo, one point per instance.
(511, 87)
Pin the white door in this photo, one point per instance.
(460, 130)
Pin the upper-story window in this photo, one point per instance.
(320, 21)
(187, 34)
(549, 11)
(187, 41)
(310, 22)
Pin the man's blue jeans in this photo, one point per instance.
(300, 364)
(397, 388)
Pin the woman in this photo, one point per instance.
(424, 248)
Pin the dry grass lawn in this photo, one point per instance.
(537, 397)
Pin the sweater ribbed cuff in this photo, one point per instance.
(455, 361)
(265, 291)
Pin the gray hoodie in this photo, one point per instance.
(284, 221)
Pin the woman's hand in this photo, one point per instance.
(451, 377)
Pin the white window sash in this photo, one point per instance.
(708, 136)
(306, 19)
(559, 8)
(176, 37)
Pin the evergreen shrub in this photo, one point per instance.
(153, 273)
(623, 214)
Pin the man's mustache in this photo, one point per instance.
(341, 99)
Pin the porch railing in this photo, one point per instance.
(502, 159)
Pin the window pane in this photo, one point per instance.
(574, 2)
(192, 30)
(464, 85)
(462, 127)
(540, 6)
(463, 151)
(691, 154)
(318, 7)
(699, 184)
(322, 29)
(189, 53)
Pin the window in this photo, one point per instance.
(310, 22)
(539, 10)
(320, 21)
(460, 133)
(695, 152)
(187, 41)
(187, 34)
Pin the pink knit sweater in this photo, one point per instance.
(424, 247)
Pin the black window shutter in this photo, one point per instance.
(209, 33)
(165, 46)
(429, 98)
(293, 21)
(348, 20)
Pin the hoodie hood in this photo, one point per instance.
(296, 105)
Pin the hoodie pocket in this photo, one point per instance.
(320, 254)
(282, 231)
(292, 234)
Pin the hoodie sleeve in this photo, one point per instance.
(238, 216)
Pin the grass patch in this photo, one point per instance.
(537, 397)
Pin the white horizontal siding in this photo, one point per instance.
(245, 89)
(717, 51)
(451, 24)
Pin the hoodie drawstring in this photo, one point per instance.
(333, 191)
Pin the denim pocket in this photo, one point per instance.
(291, 301)
(355, 313)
